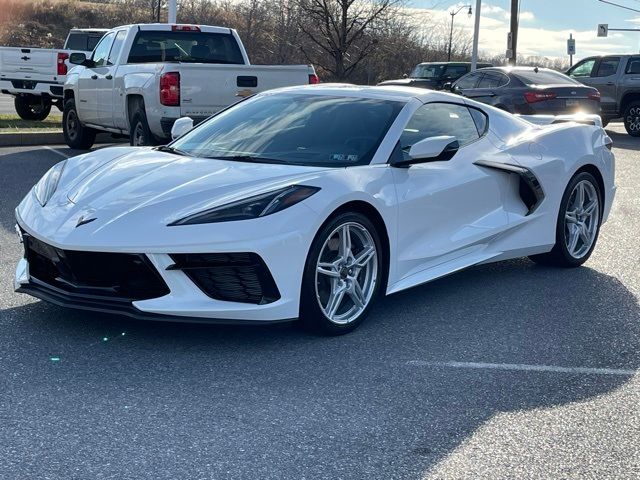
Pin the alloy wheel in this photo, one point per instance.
(633, 119)
(138, 135)
(346, 273)
(72, 124)
(582, 218)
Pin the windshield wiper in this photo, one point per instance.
(250, 158)
(165, 148)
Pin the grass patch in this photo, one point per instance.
(13, 123)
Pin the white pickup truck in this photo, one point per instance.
(35, 76)
(141, 78)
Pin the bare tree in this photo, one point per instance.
(340, 32)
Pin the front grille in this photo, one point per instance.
(232, 277)
(115, 275)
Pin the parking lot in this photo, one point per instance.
(510, 370)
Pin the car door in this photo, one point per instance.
(466, 83)
(603, 77)
(489, 88)
(447, 210)
(107, 101)
(88, 81)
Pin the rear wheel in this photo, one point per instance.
(578, 223)
(342, 276)
(30, 107)
(76, 135)
(140, 134)
(632, 119)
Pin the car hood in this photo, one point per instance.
(112, 184)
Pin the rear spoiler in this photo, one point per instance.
(585, 118)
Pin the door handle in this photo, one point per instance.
(94, 77)
(109, 77)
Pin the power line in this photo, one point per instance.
(620, 6)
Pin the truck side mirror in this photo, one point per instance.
(447, 86)
(77, 58)
(180, 127)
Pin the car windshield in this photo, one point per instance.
(428, 71)
(543, 77)
(295, 129)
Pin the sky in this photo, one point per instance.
(545, 25)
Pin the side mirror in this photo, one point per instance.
(181, 126)
(433, 149)
(405, 75)
(77, 58)
(447, 86)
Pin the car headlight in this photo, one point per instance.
(252, 207)
(47, 185)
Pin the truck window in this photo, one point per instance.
(583, 69)
(186, 47)
(117, 46)
(633, 66)
(82, 41)
(101, 52)
(608, 66)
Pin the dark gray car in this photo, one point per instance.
(433, 75)
(528, 91)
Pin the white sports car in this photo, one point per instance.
(309, 202)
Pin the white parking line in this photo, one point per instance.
(51, 149)
(524, 367)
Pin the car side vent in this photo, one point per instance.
(529, 189)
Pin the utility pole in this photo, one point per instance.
(514, 31)
(172, 14)
(476, 36)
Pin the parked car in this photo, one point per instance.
(528, 91)
(35, 76)
(310, 202)
(141, 78)
(617, 77)
(434, 75)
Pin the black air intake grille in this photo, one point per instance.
(232, 277)
(117, 275)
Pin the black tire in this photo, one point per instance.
(559, 256)
(140, 135)
(312, 315)
(30, 107)
(632, 119)
(76, 135)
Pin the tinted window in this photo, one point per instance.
(481, 120)
(436, 119)
(455, 71)
(543, 77)
(117, 46)
(296, 129)
(85, 42)
(608, 66)
(633, 66)
(101, 52)
(493, 80)
(188, 47)
(468, 81)
(583, 69)
(432, 70)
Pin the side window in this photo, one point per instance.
(481, 120)
(117, 46)
(608, 66)
(454, 72)
(101, 52)
(583, 69)
(436, 119)
(493, 80)
(633, 66)
(468, 81)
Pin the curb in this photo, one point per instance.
(22, 139)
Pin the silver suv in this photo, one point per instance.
(617, 77)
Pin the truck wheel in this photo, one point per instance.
(29, 107)
(140, 135)
(75, 134)
(632, 119)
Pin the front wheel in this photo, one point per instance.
(632, 119)
(343, 275)
(30, 107)
(76, 135)
(578, 223)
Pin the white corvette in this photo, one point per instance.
(309, 202)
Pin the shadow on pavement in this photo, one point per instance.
(275, 402)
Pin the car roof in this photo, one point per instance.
(382, 92)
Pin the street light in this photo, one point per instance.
(453, 14)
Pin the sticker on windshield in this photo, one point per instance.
(341, 157)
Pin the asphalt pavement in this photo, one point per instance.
(509, 370)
